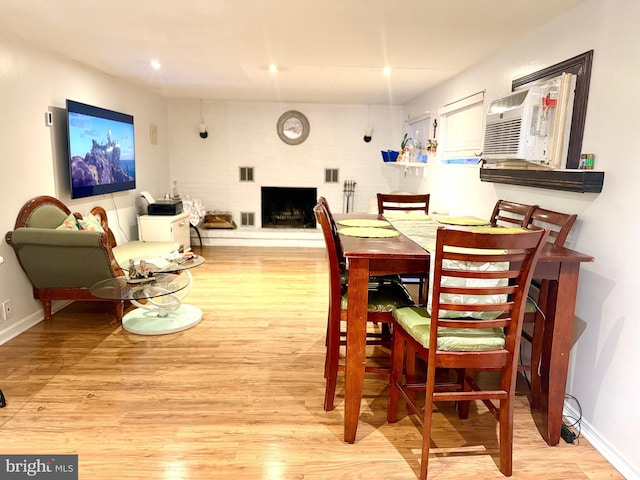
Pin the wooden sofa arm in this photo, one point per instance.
(101, 214)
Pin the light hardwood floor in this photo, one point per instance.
(240, 395)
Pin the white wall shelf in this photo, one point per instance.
(416, 168)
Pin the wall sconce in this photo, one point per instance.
(367, 134)
(203, 126)
(368, 131)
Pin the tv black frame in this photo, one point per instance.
(106, 114)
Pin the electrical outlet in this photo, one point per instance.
(7, 309)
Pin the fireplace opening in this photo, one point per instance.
(288, 207)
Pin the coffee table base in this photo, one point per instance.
(147, 322)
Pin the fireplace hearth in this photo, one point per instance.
(288, 207)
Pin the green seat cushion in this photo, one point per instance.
(417, 323)
(384, 298)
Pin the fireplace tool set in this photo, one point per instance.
(349, 193)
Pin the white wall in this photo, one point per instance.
(32, 161)
(605, 356)
(244, 135)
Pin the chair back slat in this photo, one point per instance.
(559, 224)
(403, 202)
(467, 278)
(511, 214)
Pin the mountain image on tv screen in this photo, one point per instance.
(101, 151)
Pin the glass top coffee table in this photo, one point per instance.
(163, 311)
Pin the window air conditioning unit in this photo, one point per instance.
(513, 128)
(532, 125)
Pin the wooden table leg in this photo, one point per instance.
(536, 345)
(356, 344)
(558, 335)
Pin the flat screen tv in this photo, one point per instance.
(101, 150)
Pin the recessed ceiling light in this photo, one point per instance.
(273, 68)
(387, 71)
(155, 64)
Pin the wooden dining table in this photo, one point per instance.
(369, 256)
(405, 254)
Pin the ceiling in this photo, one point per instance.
(327, 51)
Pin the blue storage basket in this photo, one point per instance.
(389, 155)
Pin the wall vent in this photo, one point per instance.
(246, 174)
(247, 219)
(330, 175)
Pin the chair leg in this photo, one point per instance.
(427, 420)
(395, 377)
(197, 233)
(423, 291)
(326, 344)
(331, 363)
(410, 373)
(463, 406)
(506, 436)
(385, 330)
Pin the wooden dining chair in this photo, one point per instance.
(344, 267)
(334, 230)
(559, 225)
(400, 202)
(341, 258)
(511, 214)
(475, 323)
(403, 202)
(384, 297)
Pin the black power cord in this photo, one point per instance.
(566, 433)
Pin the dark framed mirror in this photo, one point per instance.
(580, 66)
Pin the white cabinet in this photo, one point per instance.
(165, 228)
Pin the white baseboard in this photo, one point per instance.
(260, 237)
(21, 326)
(24, 324)
(608, 451)
(221, 242)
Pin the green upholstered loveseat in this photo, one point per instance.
(64, 264)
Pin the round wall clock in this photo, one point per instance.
(293, 127)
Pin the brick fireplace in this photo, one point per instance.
(288, 207)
